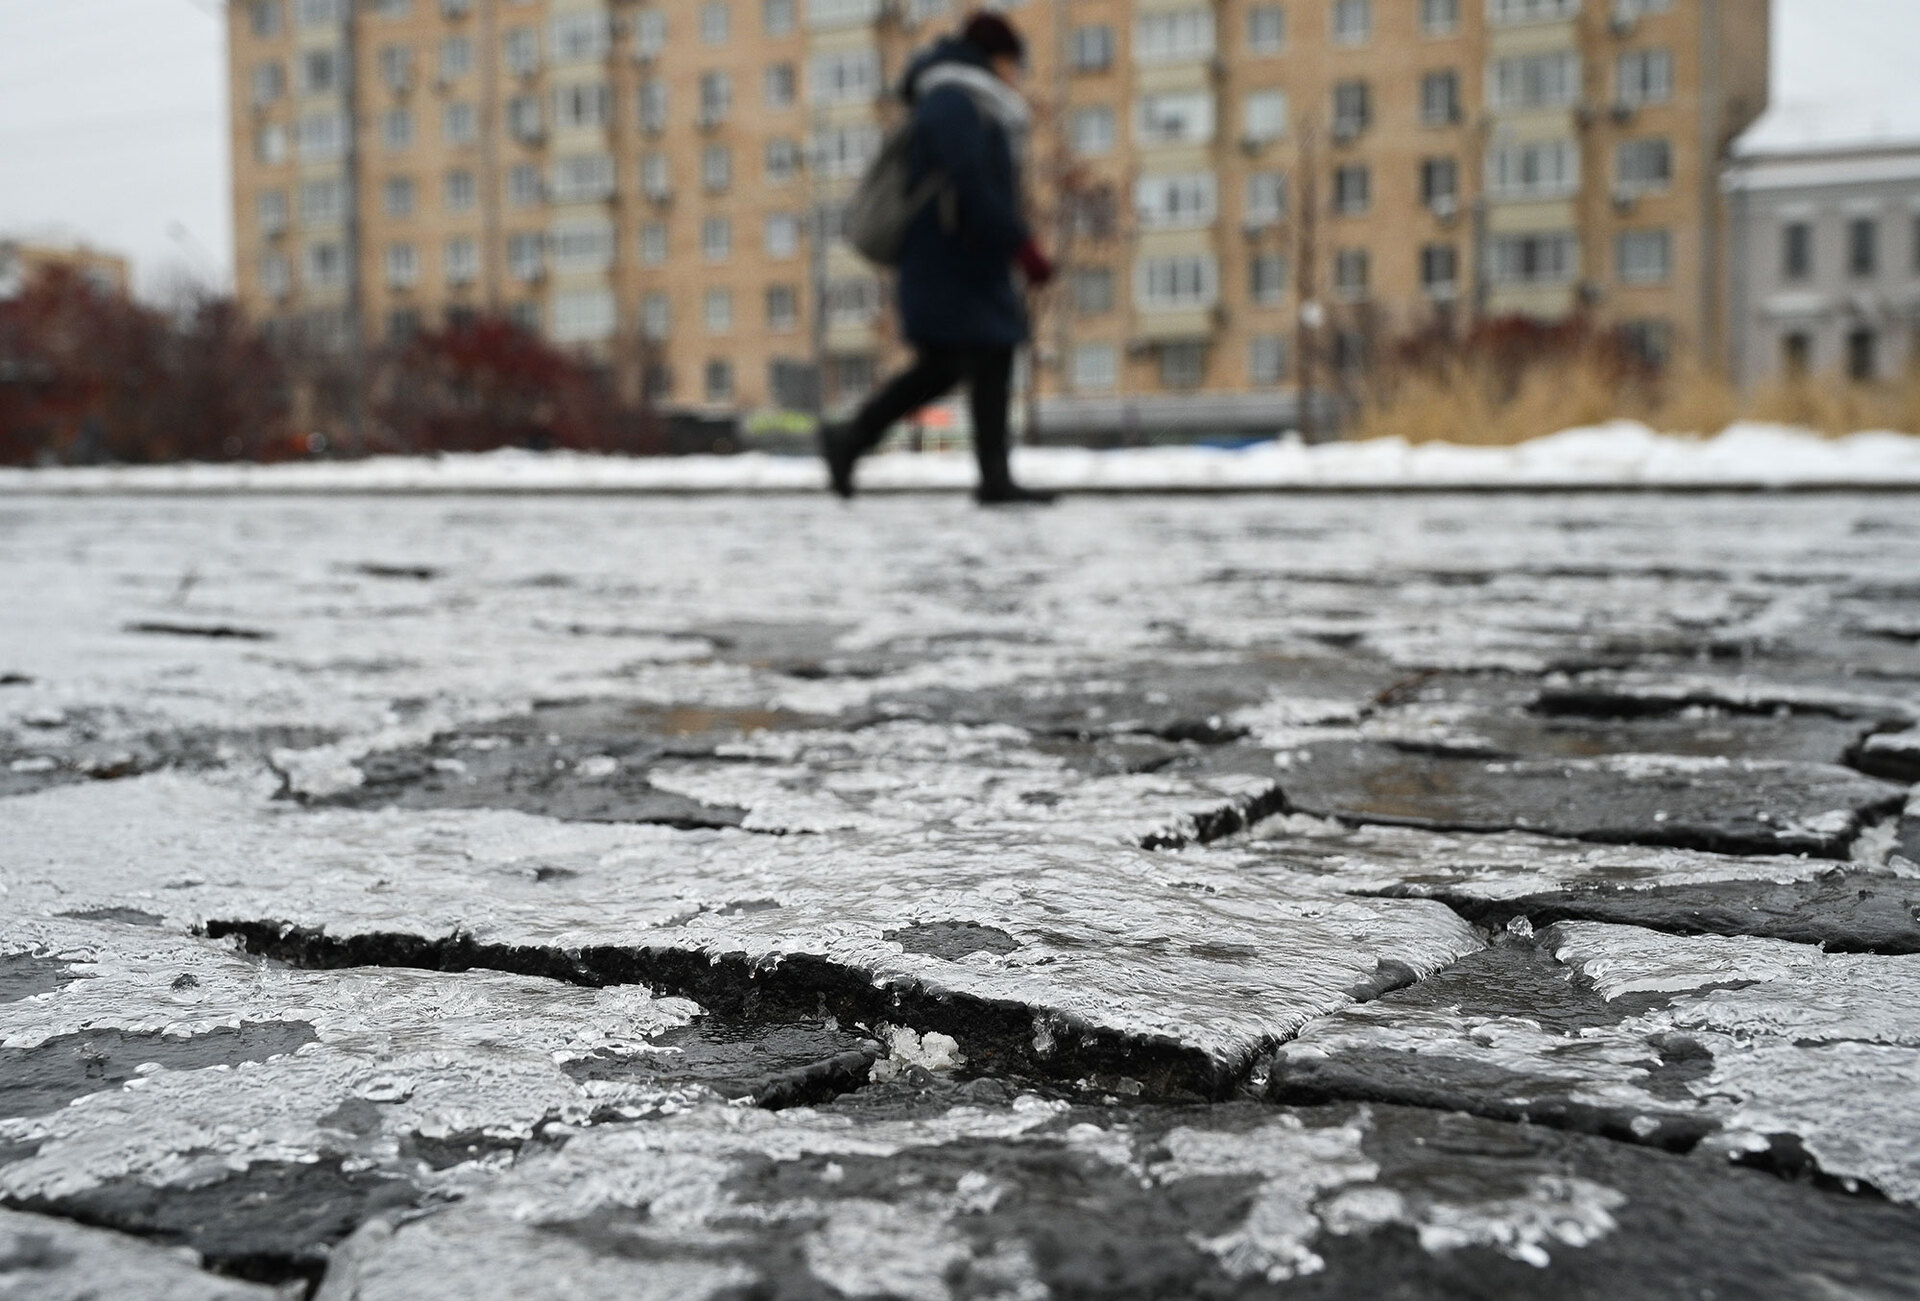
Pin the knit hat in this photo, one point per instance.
(993, 36)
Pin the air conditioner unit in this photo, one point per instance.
(1346, 132)
(1585, 115)
(1445, 206)
(1622, 25)
(1623, 112)
(1624, 198)
(708, 121)
(1252, 144)
(1255, 227)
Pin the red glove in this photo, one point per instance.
(1036, 266)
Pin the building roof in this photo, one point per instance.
(1825, 126)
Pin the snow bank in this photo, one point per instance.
(1621, 454)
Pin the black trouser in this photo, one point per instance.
(988, 373)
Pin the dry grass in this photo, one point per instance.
(1470, 402)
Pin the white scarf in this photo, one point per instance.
(994, 97)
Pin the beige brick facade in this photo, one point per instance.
(646, 181)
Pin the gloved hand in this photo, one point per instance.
(1036, 266)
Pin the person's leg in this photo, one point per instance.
(989, 391)
(933, 374)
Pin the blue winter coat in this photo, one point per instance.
(956, 285)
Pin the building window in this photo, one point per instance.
(1267, 278)
(1266, 360)
(1640, 166)
(460, 124)
(1352, 22)
(1537, 169)
(653, 105)
(845, 150)
(1096, 367)
(269, 81)
(270, 144)
(326, 265)
(1352, 189)
(1176, 117)
(656, 316)
(716, 97)
(1440, 271)
(716, 168)
(716, 22)
(1440, 185)
(719, 380)
(398, 196)
(854, 301)
(1092, 289)
(524, 120)
(1352, 270)
(396, 128)
(521, 49)
(1352, 109)
(456, 57)
(320, 72)
(582, 245)
(783, 159)
(1440, 98)
(462, 258)
(1648, 342)
(653, 244)
(1645, 257)
(716, 239)
(923, 11)
(1628, 10)
(783, 307)
(844, 77)
(1187, 200)
(586, 106)
(525, 316)
(1183, 365)
(396, 67)
(455, 8)
(270, 211)
(527, 255)
(581, 38)
(1916, 244)
(1174, 36)
(1178, 281)
(1439, 17)
(1266, 198)
(1092, 130)
(323, 137)
(323, 202)
(1643, 77)
(524, 189)
(276, 274)
(1535, 81)
(1266, 29)
(1266, 115)
(392, 8)
(1545, 258)
(781, 85)
(1512, 13)
(1796, 354)
(783, 235)
(1863, 246)
(1092, 48)
(322, 13)
(649, 33)
(403, 266)
(656, 176)
(777, 17)
(1863, 347)
(584, 315)
(1796, 250)
(267, 17)
(582, 178)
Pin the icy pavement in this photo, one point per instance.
(1425, 896)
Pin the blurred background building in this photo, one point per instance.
(22, 260)
(1250, 198)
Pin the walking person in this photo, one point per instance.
(960, 307)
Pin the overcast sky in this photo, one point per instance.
(112, 114)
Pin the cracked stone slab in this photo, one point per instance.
(1722, 805)
(55, 747)
(1492, 879)
(1038, 1200)
(1169, 964)
(1893, 755)
(1760, 1050)
(44, 1258)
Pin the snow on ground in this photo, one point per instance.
(1620, 454)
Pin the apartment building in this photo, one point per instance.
(1249, 197)
(22, 260)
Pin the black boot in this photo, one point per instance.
(1012, 494)
(836, 449)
